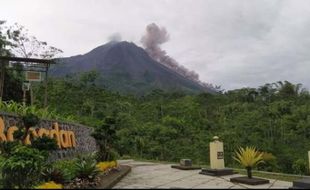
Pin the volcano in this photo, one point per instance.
(126, 68)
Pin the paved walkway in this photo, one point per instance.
(152, 175)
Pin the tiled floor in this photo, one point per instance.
(151, 175)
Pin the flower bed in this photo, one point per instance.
(79, 173)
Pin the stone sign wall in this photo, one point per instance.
(84, 143)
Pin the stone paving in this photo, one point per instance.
(147, 175)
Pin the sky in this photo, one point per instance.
(232, 43)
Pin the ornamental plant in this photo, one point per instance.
(248, 158)
(56, 175)
(104, 166)
(67, 166)
(85, 168)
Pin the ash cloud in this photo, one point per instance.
(153, 38)
(116, 37)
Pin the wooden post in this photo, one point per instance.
(2, 73)
(24, 96)
(45, 94)
(31, 95)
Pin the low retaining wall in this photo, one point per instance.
(84, 142)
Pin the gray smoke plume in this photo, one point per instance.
(116, 37)
(152, 40)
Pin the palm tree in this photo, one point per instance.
(249, 158)
(288, 89)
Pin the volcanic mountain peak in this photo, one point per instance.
(125, 67)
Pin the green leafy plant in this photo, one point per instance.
(105, 136)
(248, 158)
(54, 174)
(300, 167)
(270, 162)
(19, 134)
(7, 147)
(67, 166)
(21, 168)
(44, 143)
(29, 120)
(85, 168)
(44, 113)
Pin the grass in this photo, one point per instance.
(282, 177)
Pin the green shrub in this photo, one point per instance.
(44, 113)
(30, 120)
(105, 136)
(19, 134)
(126, 157)
(54, 174)
(300, 166)
(85, 168)
(269, 164)
(67, 166)
(6, 147)
(44, 143)
(21, 168)
(113, 155)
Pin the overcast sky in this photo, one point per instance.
(232, 43)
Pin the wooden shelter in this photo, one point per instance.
(28, 64)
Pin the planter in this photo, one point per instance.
(249, 181)
(108, 181)
(186, 167)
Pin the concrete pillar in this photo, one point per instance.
(216, 154)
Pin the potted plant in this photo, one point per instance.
(249, 158)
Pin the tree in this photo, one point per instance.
(288, 89)
(105, 136)
(24, 45)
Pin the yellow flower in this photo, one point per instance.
(103, 166)
(50, 185)
(113, 164)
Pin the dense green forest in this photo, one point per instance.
(170, 126)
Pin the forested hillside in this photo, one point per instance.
(169, 126)
(126, 68)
